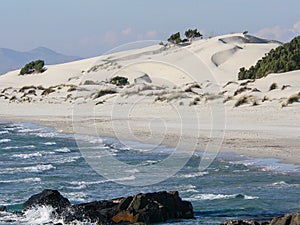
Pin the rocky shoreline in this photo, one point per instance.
(140, 209)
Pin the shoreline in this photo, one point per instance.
(255, 143)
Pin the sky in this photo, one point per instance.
(91, 27)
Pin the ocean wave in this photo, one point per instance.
(35, 216)
(29, 169)
(191, 175)
(63, 150)
(4, 132)
(28, 130)
(210, 197)
(19, 147)
(84, 184)
(283, 184)
(89, 139)
(27, 156)
(68, 159)
(5, 140)
(76, 196)
(50, 143)
(189, 189)
(24, 180)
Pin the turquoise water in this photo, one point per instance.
(33, 158)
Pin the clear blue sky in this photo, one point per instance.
(91, 27)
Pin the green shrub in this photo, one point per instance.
(242, 100)
(273, 87)
(175, 38)
(192, 34)
(294, 98)
(33, 67)
(282, 59)
(104, 92)
(119, 81)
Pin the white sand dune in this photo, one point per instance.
(181, 96)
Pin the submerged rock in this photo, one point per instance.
(138, 209)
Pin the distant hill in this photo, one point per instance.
(12, 60)
(283, 59)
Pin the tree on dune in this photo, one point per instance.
(192, 34)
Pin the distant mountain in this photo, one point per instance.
(12, 60)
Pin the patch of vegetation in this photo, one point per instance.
(283, 59)
(273, 87)
(241, 101)
(294, 98)
(175, 38)
(104, 92)
(190, 87)
(33, 67)
(241, 90)
(90, 82)
(119, 81)
(48, 91)
(285, 86)
(23, 89)
(72, 88)
(13, 98)
(192, 34)
(227, 99)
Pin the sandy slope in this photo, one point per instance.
(184, 97)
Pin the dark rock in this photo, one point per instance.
(139, 209)
(240, 222)
(293, 219)
(50, 198)
(95, 212)
(3, 208)
(154, 208)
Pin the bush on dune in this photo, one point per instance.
(283, 59)
(119, 81)
(33, 67)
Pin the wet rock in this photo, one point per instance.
(293, 219)
(138, 209)
(142, 208)
(240, 222)
(3, 208)
(48, 198)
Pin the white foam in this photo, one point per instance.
(4, 132)
(76, 196)
(39, 215)
(6, 140)
(87, 183)
(210, 197)
(18, 147)
(191, 175)
(25, 180)
(283, 184)
(63, 150)
(27, 156)
(50, 143)
(248, 197)
(29, 169)
(28, 130)
(189, 189)
(68, 159)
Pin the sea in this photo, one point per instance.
(34, 158)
